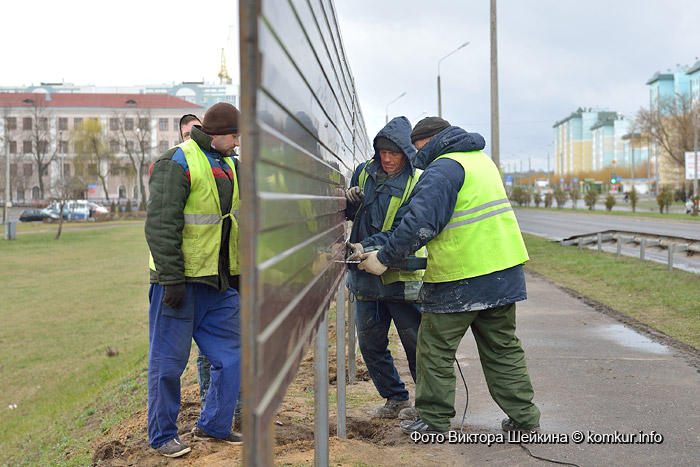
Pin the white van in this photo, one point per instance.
(78, 209)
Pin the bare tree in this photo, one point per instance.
(63, 189)
(670, 125)
(135, 140)
(7, 137)
(40, 136)
(93, 152)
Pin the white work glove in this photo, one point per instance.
(354, 195)
(355, 250)
(371, 264)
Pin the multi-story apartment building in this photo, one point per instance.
(608, 146)
(673, 92)
(573, 141)
(44, 137)
(591, 139)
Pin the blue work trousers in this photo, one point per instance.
(212, 319)
(373, 319)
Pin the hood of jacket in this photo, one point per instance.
(398, 131)
(451, 139)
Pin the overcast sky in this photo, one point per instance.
(554, 55)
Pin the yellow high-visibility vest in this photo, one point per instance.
(482, 235)
(395, 203)
(201, 235)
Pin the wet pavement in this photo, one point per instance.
(632, 395)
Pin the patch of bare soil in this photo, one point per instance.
(370, 442)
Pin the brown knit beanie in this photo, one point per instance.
(429, 126)
(220, 119)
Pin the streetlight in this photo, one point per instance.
(6, 208)
(438, 80)
(419, 115)
(387, 106)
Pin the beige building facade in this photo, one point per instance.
(43, 135)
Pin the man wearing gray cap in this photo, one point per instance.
(192, 234)
(473, 278)
(376, 202)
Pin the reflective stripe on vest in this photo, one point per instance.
(394, 204)
(482, 235)
(201, 234)
(452, 224)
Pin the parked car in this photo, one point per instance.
(79, 209)
(97, 208)
(55, 211)
(29, 215)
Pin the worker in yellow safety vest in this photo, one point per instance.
(192, 234)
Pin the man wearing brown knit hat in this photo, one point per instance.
(473, 278)
(192, 233)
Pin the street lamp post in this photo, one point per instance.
(387, 106)
(695, 147)
(438, 77)
(6, 213)
(420, 115)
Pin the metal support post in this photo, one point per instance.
(352, 370)
(321, 453)
(671, 251)
(340, 359)
(600, 242)
(619, 247)
(642, 248)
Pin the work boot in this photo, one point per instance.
(411, 426)
(508, 424)
(409, 413)
(391, 409)
(233, 437)
(174, 448)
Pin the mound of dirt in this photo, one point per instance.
(369, 441)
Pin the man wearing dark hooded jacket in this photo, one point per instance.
(379, 188)
(473, 278)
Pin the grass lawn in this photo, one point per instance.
(63, 303)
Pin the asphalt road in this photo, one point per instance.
(557, 225)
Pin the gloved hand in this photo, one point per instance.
(354, 195)
(371, 264)
(175, 295)
(354, 250)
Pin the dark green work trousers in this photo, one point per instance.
(502, 360)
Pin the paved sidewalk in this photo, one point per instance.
(591, 374)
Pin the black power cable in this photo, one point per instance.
(464, 416)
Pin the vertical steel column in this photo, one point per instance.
(340, 359)
(642, 249)
(600, 242)
(259, 446)
(321, 453)
(619, 247)
(495, 138)
(352, 370)
(671, 251)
